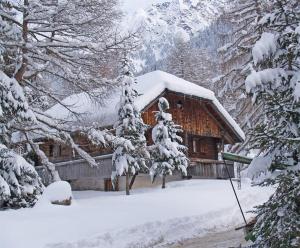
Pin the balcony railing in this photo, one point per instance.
(208, 168)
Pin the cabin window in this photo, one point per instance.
(57, 150)
(203, 147)
(51, 148)
(179, 104)
(194, 145)
(54, 150)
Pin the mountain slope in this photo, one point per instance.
(162, 21)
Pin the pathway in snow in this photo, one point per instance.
(225, 239)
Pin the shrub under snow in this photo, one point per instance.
(59, 192)
(20, 184)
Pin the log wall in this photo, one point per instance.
(188, 112)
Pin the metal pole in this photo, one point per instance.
(237, 199)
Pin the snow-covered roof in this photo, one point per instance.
(150, 86)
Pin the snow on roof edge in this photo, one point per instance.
(150, 86)
(211, 96)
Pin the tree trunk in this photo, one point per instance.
(21, 71)
(127, 184)
(163, 182)
(132, 181)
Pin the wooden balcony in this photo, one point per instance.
(208, 168)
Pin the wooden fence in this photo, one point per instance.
(74, 169)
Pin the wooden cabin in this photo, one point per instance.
(206, 125)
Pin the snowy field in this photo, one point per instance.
(147, 218)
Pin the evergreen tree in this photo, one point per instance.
(20, 184)
(275, 81)
(278, 219)
(167, 154)
(131, 127)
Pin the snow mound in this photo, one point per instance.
(56, 193)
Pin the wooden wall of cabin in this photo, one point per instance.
(188, 112)
(202, 134)
(59, 152)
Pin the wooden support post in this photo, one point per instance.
(163, 182)
(127, 184)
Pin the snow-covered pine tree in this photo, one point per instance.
(131, 127)
(66, 42)
(20, 185)
(278, 220)
(167, 154)
(275, 81)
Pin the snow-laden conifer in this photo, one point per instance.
(131, 127)
(167, 154)
(274, 81)
(20, 184)
(278, 221)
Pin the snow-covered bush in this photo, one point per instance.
(20, 184)
(129, 157)
(167, 154)
(59, 193)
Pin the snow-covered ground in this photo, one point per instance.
(147, 218)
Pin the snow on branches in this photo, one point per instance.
(278, 220)
(274, 81)
(20, 184)
(167, 154)
(129, 159)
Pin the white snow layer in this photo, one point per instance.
(259, 166)
(57, 191)
(150, 86)
(260, 78)
(264, 47)
(147, 218)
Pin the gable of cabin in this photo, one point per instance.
(204, 131)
